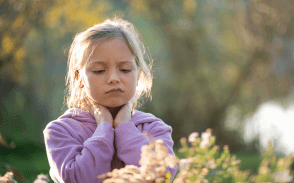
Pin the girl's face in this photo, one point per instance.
(110, 76)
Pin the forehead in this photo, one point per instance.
(112, 49)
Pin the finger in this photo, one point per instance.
(93, 109)
(98, 106)
(97, 112)
(128, 106)
(126, 109)
(98, 117)
(88, 108)
(87, 105)
(130, 109)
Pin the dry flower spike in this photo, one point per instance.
(5, 144)
(7, 178)
(154, 162)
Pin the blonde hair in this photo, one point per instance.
(82, 44)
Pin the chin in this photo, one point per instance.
(115, 104)
(112, 106)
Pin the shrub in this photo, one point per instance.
(203, 163)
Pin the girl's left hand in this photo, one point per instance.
(123, 116)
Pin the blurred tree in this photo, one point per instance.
(48, 47)
(34, 36)
(17, 18)
(225, 56)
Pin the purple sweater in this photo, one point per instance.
(79, 151)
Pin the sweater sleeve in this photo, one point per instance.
(72, 160)
(129, 141)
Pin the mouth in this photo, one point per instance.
(116, 90)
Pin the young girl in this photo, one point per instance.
(101, 130)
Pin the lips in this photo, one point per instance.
(115, 90)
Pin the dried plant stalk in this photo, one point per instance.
(154, 163)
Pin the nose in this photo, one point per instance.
(113, 77)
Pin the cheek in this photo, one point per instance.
(133, 80)
(93, 85)
(134, 84)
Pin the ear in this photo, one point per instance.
(76, 74)
(79, 76)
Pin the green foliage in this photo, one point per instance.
(273, 169)
(203, 163)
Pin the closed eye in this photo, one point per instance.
(126, 70)
(98, 72)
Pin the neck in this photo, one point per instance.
(114, 110)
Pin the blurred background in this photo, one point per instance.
(225, 65)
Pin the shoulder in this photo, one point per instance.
(67, 126)
(150, 122)
(141, 114)
(72, 119)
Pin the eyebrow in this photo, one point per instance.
(105, 63)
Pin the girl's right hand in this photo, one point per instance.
(100, 113)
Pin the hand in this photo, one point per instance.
(123, 116)
(100, 113)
